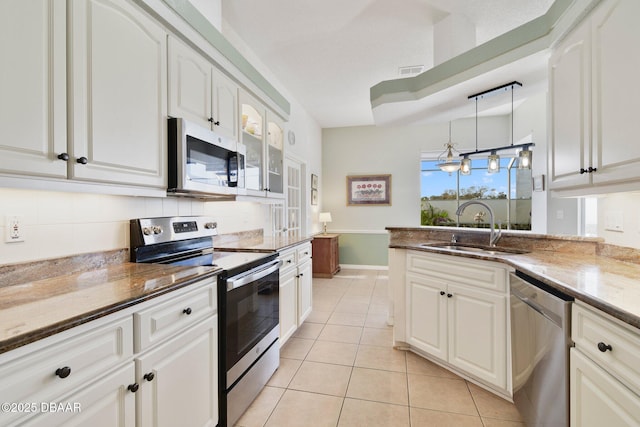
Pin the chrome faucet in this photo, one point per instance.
(493, 237)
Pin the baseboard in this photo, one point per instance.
(364, 267)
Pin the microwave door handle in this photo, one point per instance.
(234, 283)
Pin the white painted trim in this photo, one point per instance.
(364, 267)
(332, 231)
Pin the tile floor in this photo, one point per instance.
(340, 369)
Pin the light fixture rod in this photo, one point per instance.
(495, 89)
(506, 147)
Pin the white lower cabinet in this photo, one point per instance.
(459, 318)
(604, 368)
(296, 293)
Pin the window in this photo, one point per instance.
(508, 192)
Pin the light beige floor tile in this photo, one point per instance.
(419, 365)
(285, 372)
(258, 412)
(441, 394)
(309, 330)
(333, 352)
(296, 348)
(492, 406)
(380, 308)
(347, 319)
(321, 378)
(379, 386)
(339, 333)
(429, 418)
(490, 422)
(377, 320)
(352, 307)
(383, 358)
(379, 337)
(301, 409)
(355, 299)
(318, 316)
(357, 412)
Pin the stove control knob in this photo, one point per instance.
(157, 230)
(147, 231)
(211, 225)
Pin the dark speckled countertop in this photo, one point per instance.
(604, 276)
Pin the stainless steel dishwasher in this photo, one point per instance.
(540, 341)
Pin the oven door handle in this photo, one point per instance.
(252, 276)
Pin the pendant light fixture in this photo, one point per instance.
(445, 160)
(493, 160)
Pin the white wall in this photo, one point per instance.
(628, 206)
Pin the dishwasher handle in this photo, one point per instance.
(549, 315)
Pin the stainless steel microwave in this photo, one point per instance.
(202, 163)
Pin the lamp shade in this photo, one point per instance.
(325, 217)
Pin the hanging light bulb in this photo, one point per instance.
(493, 162)
(448, 164)
(465, 166)
(524, 158)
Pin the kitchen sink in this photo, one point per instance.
(461, 247)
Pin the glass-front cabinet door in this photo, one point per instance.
(275, 157)
(252, 114)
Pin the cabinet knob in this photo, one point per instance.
(63, 372)
(301, 274)
(63, 156)
(449, 295)
(289, 261)
(133, 387)
(82, 160)
(149, 377)
(187, 311)
(442, 292)
(582, 170)
(592, 169)
(588, 170)
(604, 347)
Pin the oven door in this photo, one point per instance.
(252, 317)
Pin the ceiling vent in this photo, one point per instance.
(410, 71)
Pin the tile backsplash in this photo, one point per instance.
(57, 224)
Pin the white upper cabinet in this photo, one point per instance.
(118, 58)
(33, 119)
(275, 155)
(595, 103)
(201, 93)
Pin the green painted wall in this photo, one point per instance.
(364, 249)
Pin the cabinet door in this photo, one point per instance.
(288, 305)
(252, 136)
(426, 306)
(118, 60)
(477, 323)
(184, 389)
(225, 106)
(189, 84)
(106, 402)
(33, 87)
(275, 156)
(305, 291)
(569, 88)
(616, 97)
(598, 399)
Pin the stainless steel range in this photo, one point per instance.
(248, 302)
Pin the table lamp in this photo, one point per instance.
(324, 218)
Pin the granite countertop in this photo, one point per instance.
(609, 284)
(261, 243)
(34, 310)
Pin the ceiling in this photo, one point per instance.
(330, 53)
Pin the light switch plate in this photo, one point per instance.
(14, 229)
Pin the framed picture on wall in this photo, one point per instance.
(314, 181)
(314, 196)
(369, 190)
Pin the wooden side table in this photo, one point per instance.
(325, 255)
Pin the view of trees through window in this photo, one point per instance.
(508, 192)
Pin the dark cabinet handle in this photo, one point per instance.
(289, 261)
(133, 387)
(589, 170)
(63, 372)
(187, 311)
(216, 123)
(442, 292)
(82, 160)
(592, 169)
(449, 295)
(604, 347)
(301, 274)
(63, 156)
(149, 377)
(582, 170)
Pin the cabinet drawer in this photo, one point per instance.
(464, 271)
(288, 259)
(303, 252)
(175, 312)
(34, 373)
(592, 330)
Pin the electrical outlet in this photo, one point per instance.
(14, 229)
